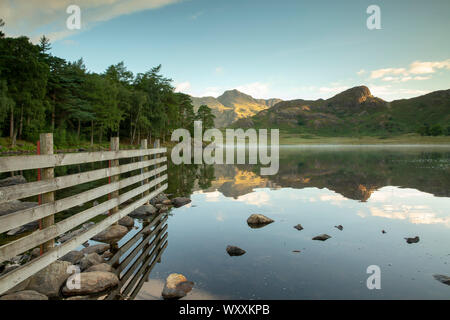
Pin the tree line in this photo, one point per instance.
(40, 92)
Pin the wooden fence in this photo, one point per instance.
(149, 182)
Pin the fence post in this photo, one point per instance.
(114, 163)
(157, 145)
(145, 158)
(46, 147)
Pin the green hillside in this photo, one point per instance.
(356, 112)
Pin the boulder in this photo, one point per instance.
(340, 227)
(112, 234)
(12, 181)
(176, 286)
(100, 267)
(258, 221)
(322, 237)
(107, 255)
(34, 225)
(167, 202)
(143, 211)
(163, 209)
(180, 201)
(24, 295)
(90, 260)
(73, 257)
(91, 283)
(235, 251)
(159, 199)
(442, 278)
(49, 280)
(412, 240)
(298, 227)
(98, 248)
(127, 221)
(36, 252)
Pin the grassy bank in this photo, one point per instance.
(290, 138)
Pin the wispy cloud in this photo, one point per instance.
(407, 74)
(255, 89)
(183, 87)
(33, 18)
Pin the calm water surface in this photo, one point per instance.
(402, 190)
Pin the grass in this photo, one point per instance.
(292, 139)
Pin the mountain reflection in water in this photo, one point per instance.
(402, 190)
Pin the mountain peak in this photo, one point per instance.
(360, 94)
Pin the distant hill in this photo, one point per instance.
(354, 111)
(233, 105)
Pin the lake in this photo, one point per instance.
(403, 190)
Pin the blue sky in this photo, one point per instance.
(284, 49)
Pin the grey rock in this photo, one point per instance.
(127, 221)
(91, 283)
(73, 257)
(235, 251)
(180, 201)
(16, 205)
(69, 235)
(340, 227)
(24, 295)
(412, 240)
(98, 248)
(111, 234)
(49, 280)
(298, 227)
(100, 267)
(90, 260)
(143, 211)
(258, 221)
(441, 278)
(12, 181)
(158, 199)
(322, 237)
(176, 286)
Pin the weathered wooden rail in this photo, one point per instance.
(149, 182)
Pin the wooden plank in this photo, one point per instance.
(46, 147)
(30, 241)
(16, 276)
(147, 271)
(30, 189)
(19, 218)
(156, 250)
(17, 163)
(126, 246)
(115, 178)
(144, 146)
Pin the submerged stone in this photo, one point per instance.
(176, 286)
(258, 221)
(298, 227)
(412, 240)
(322, 237)
(235, 251)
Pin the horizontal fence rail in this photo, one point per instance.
(145, 178)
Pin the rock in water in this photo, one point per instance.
(235, 251)
(180, 201)
(100, 267)
(442, 278)
(143, 211)
(98, 248)
(24, 295)
(176, 287)
(383, 232)
(73, 257)
(412, 240)
(340, 227)
(111, 234)
(298, 227)
(90, 260)
(258, 221)
(127, 221)
(49, 280)
(90, 283)
(322, 237)
(69, 235)
(159, 199)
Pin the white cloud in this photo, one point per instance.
(333, 90)
(360, 72)
(183, 87)
(219, 70)
(418, 67)
(33, 17)
(255, 89)
(383, 72)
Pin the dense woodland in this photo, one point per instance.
(40, 92)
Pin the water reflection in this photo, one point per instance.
(136, 257)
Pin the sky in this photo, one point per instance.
(288, 49)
